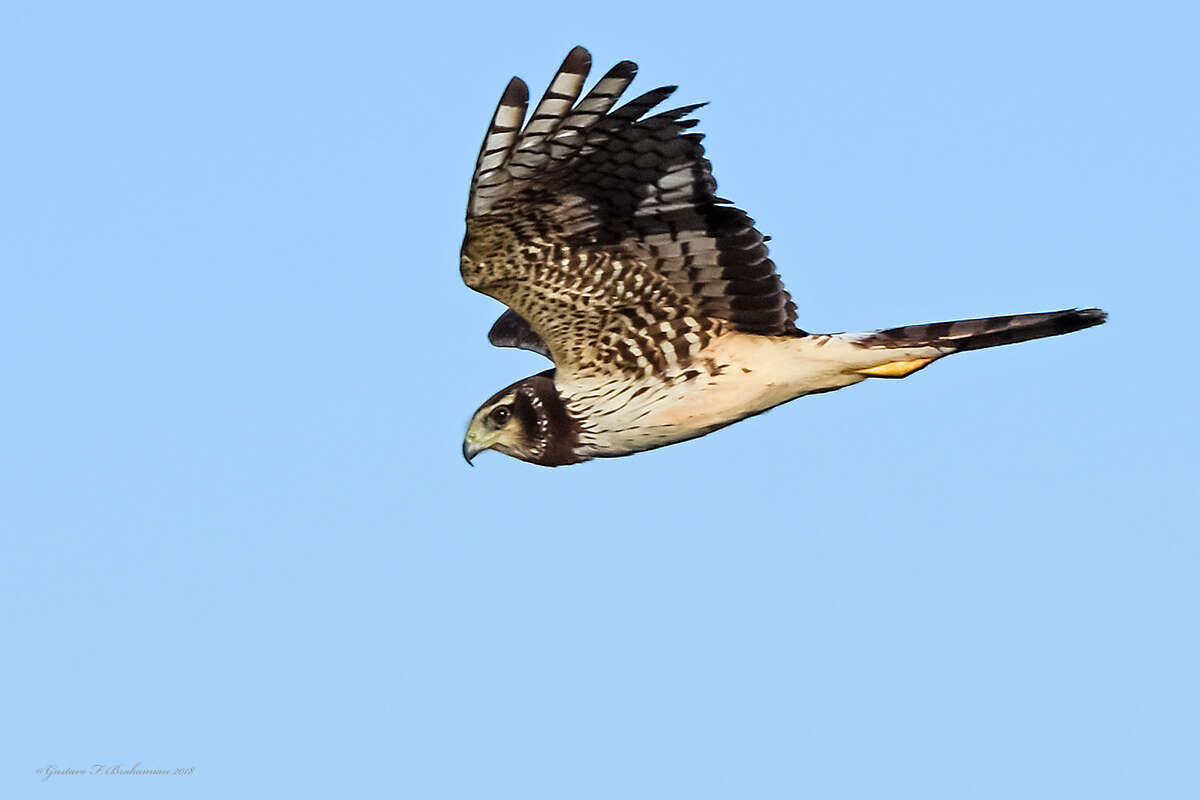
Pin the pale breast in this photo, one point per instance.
(736, 376)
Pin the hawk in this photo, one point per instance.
(656, 300)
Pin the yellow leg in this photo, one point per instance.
(895, 369)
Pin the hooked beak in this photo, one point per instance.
(470, 450)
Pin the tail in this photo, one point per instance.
(974, 334)
(967, 334)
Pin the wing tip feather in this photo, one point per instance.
(515, 94)
(625, 70)
(578, 61)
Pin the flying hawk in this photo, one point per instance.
(654, 298)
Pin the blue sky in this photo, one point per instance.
(238, 534)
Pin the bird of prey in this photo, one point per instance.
(656, 300)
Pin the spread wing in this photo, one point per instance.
(599, 228)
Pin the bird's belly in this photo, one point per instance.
(739, 377)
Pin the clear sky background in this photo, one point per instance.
(239, 535)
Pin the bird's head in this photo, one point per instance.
(529, 421)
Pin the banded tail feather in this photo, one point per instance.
(975, 334)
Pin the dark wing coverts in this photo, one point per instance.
(589, 215)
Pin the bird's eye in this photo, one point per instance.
(500, 415)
